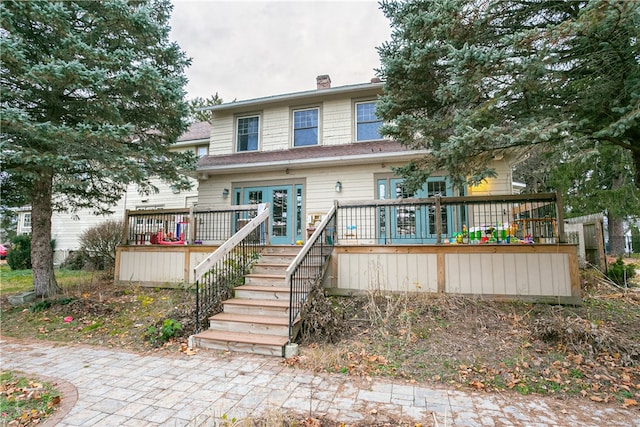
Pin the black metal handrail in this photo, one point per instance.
(223, 270)
(525, 218)
(186, 225)
(309, 266)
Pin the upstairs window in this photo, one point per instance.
(202, 151)
(248, 133)
(305, 127)
(367, 123)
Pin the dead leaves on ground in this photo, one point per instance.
(363, 364)
(27, 397)
(602, 379)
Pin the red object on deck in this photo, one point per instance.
(161, 241)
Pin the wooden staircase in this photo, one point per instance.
(256, 320)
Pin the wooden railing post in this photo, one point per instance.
(438, 220)
(192, 227)
(560, 217)
(125, 228)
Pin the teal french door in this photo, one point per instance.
(282, 210)
(413, 224)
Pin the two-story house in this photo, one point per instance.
(338, 218)
(302, 151)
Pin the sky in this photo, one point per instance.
(250, 49)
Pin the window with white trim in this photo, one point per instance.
(202, 151)
(247, 133)
(26, 221)
(305, 127)
(367, 122)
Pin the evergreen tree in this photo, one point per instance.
(599, 180)
(92, 98)
(196, 114)
(466, 79)
(593, 180)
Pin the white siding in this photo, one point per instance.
(159, 267)
(548, 272)
(358, 183)
(66, 228)
(221, 135)
(337, 119)
(155, 266)
(276, 129)
(388, 272)
(336, 126)
(508, 274)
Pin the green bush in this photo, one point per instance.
(620, 272)
(635, 240)
(158, 335)
(19, 256)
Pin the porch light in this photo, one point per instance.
(338, 186)
(225, 193)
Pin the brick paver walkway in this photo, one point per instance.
(119, 388)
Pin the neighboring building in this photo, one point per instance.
(66, 228)
(299, 152)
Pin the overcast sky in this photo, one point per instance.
(249, 49)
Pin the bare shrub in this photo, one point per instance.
(583, 336)
(99, 244)
(323, 322)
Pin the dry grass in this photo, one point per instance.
(529, 348)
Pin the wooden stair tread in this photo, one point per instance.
(270, 264)
(243, 337)
(247, 318)
(263, 288)
(257, 302)
(265, 276)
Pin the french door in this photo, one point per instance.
(413, 224)
(280, 199)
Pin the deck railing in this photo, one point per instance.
(525, 218)
(309, 266)
(186, 225)
(218, 274)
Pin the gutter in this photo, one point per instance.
(318, 161)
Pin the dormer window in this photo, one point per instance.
(248, 133)
(367, 123)
(305, 127)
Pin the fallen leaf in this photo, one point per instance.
(477, 385)
(596, 399)
(629, 402)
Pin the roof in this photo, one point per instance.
(196, 131)
(375, 86)
(360, 152)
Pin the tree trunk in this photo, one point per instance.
(44, 279)
(616, 235)
(636, 162)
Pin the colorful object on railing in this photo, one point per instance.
(169, 239)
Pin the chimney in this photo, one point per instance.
(376, 80)
(323, 81)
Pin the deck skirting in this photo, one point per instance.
(540, 272)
